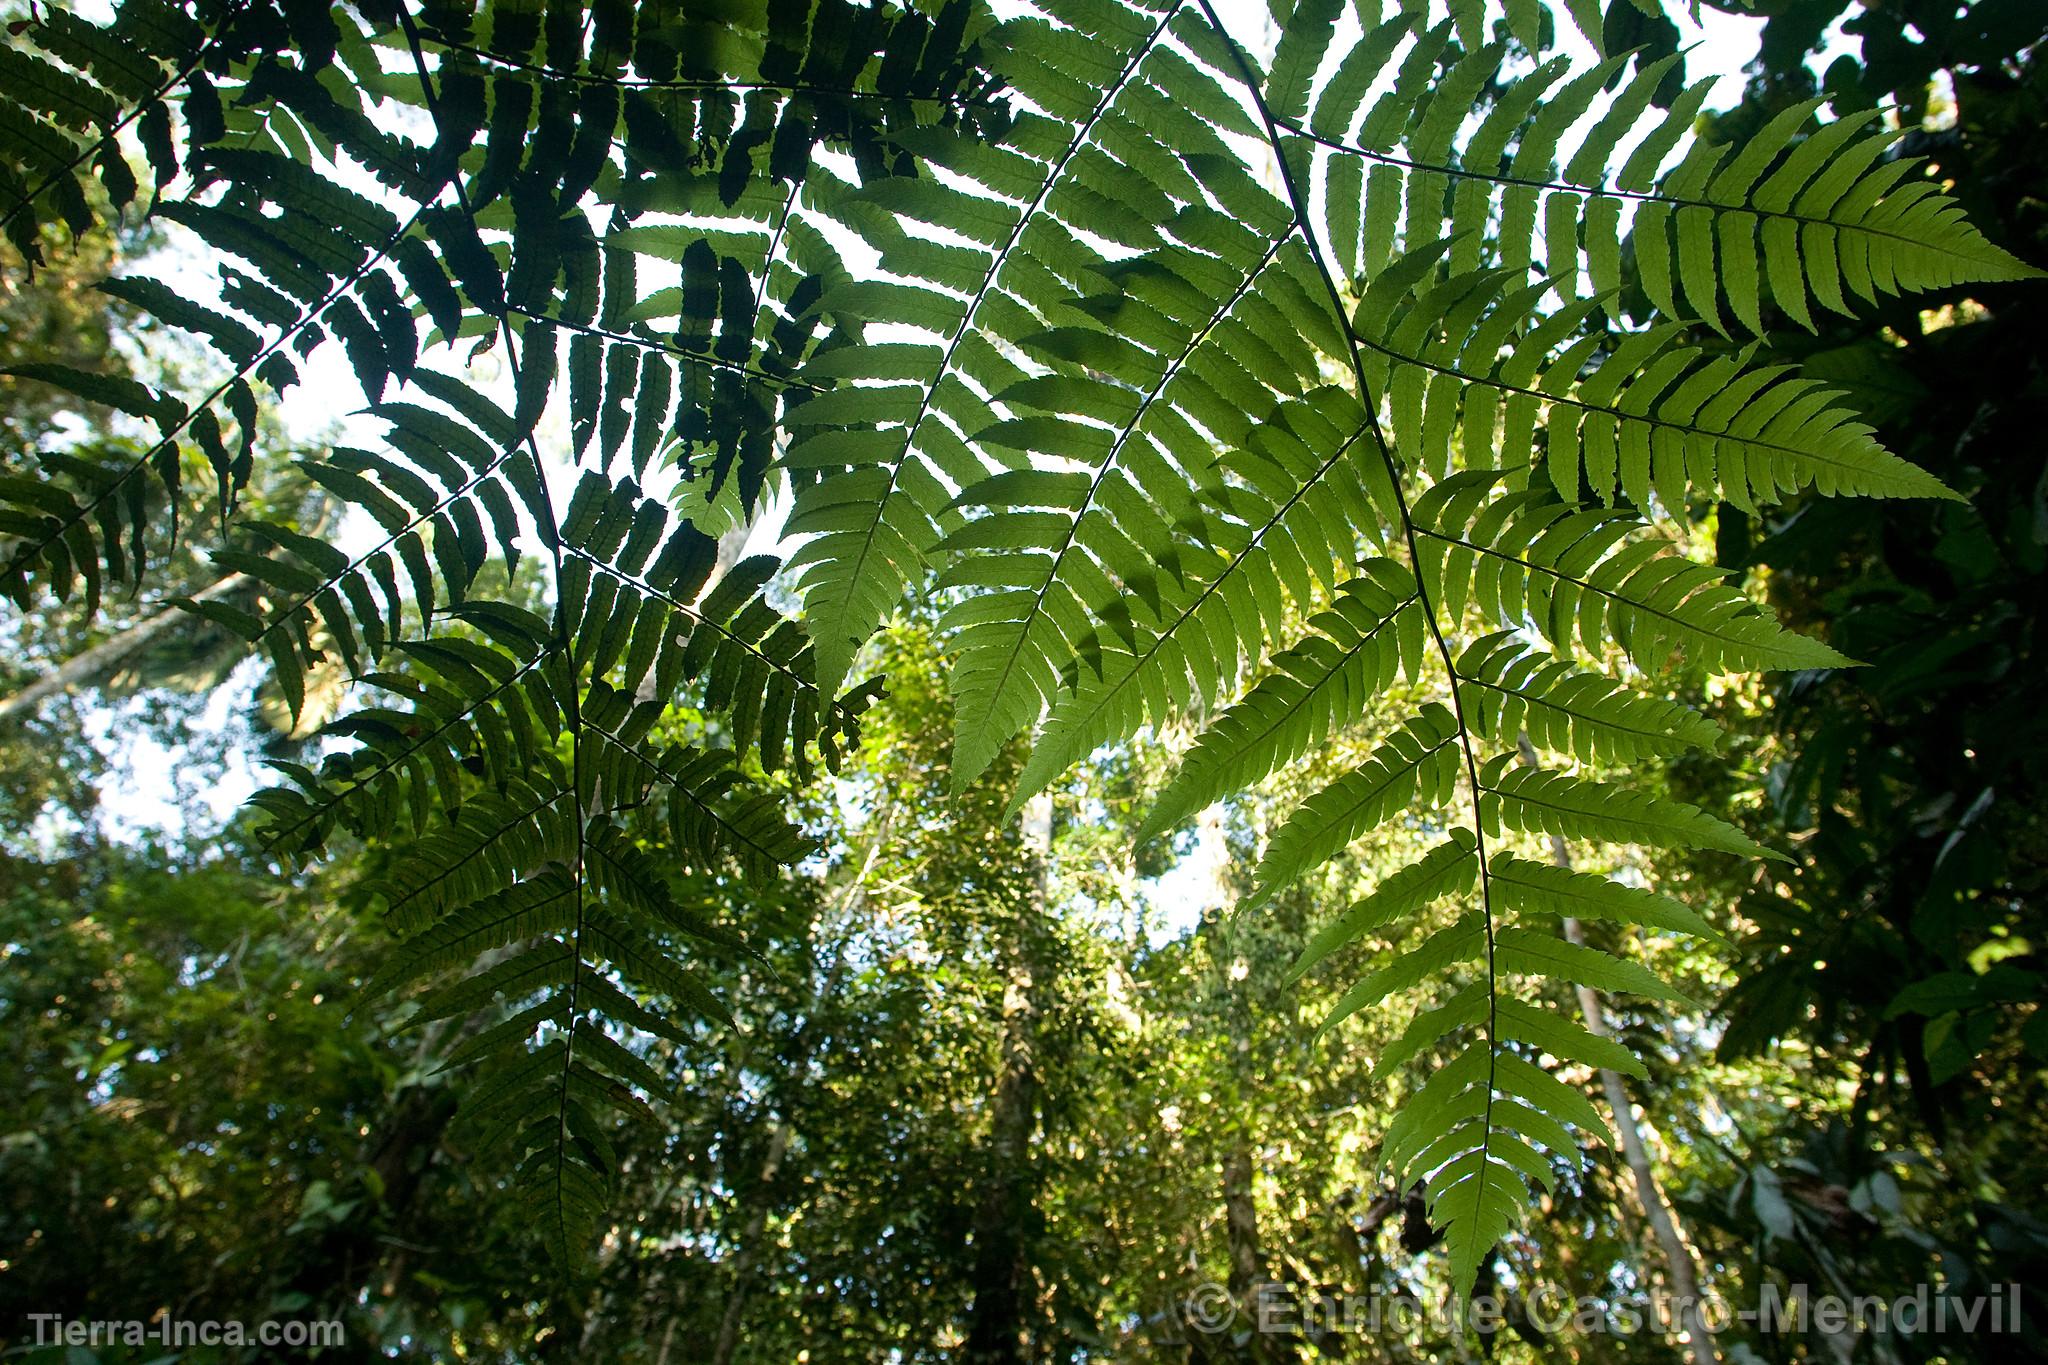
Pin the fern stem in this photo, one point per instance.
(1368, 401)
(563, 644)
(574, 1013)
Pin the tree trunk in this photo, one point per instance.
(333, 1267)
(88, 664)
(1241, 1222)
(748, 1254)
(996, 1328)
(1248, 1276)
(1678, 1262)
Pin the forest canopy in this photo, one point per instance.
(1080, 679)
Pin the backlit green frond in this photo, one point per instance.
(1085, 165)
(1415, 768)
(1804, 213)
(1543, 889)
(1480, 1131)
(1637, 415)
(1446, 870)
(1525, 559)
(1350, 654)
(1510, 688)
(1313, 483)
(1489, 1121)
(1542, 802)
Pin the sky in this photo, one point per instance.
(143, 777)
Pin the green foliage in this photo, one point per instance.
(1138, 361)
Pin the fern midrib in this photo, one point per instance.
(1568, 892)
(1368, 401)
(448, 870)
(717, 816)
(1025, 626)
(1521, 797)
(1393, 771)
(484, 928)
(419, 519)
(997, 261)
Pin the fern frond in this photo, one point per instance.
(1308, 490)
(73, 89)
(1098, 523)
(1415, 768)
(647, 623)
(581, 912)
(481, 850)
(1530, 952)
(1542, 802)
(525, 910)
(1449, 869)
(1464, 940)
(1541, 889)
(1478, 1132)
(1348, 656)
(1510, 689)
(1527, 559)
(1128, 353)
(1801, 214)
(1469, 353)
